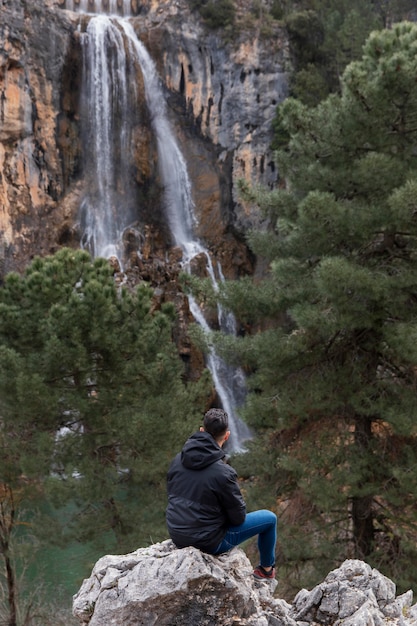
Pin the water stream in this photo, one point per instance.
(105, 91)
(106, 120)
(112, 7)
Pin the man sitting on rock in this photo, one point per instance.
(206, 509)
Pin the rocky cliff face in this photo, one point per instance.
(33, 46)
(163, 586)
(222, 98)
(230, 90)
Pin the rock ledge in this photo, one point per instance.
(164, 586)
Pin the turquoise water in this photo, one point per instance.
(55, 572)
(51, 564)
(63, 568)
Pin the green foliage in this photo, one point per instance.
(309, 85)
(325, 35)
(333, 364)
(216, 13)
(92, 399)
(306, 32)
(279, 8)
(393, 10)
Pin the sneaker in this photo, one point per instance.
(261, 574)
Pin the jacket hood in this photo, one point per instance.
(200, 450)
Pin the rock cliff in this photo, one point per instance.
(163, 586)
(33, 46)
(221, 95)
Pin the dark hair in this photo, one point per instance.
(216, 422)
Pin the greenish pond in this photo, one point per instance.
(63, 568)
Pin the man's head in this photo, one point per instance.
(216, 422)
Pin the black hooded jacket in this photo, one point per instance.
(204, 498)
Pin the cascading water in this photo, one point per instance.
(179, 208)
(173, 169)
(112, 7)
(106, 125)
(229, 381)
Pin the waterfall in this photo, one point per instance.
(112, 7)
(179, 207)
(229, 381)
(106, 126)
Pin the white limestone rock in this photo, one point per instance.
(353, 595)
(165, 586)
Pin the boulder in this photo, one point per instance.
(165, 586)
(354, 595)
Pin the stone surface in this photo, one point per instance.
(354, 595)
(231, 88)
(33, 46)
(164, 586)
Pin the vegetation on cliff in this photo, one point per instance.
(324, 35)
(333, 364)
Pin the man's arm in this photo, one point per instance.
(231, 499)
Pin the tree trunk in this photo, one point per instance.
(11, 589)
(362, 514)
(363, 525)
(7, 519)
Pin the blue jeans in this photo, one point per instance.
(262, 523)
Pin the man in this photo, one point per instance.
(205, 506)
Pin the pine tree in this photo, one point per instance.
(326, 35)
(333, 383)
(92, 402)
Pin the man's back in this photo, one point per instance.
(203, 495)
